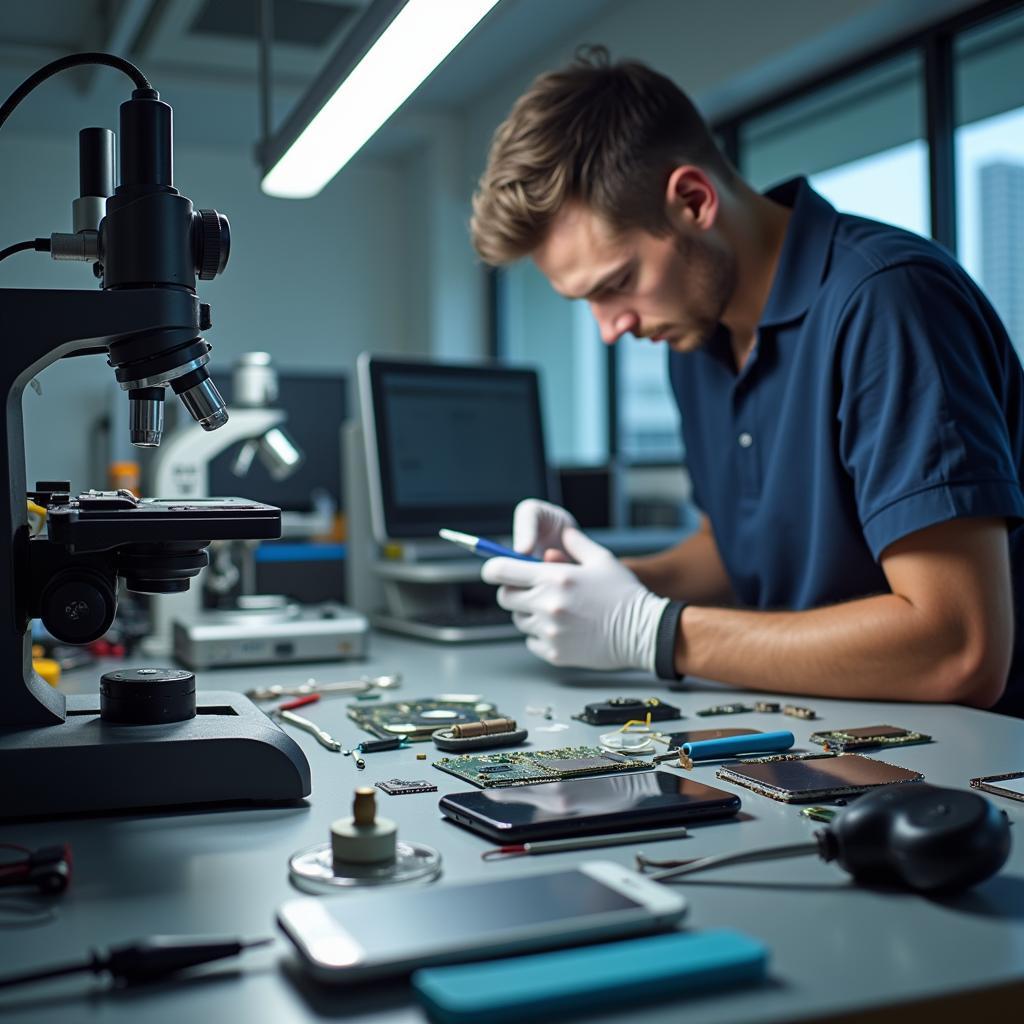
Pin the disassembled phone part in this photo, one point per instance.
(619, 710)
(866, 737)
(796, 711)
(725, 709)
(419, 719)
(401, 787)
(378, 746)
(816, 778)
(769, 706)
(523, 768)
(1009, 785)
(825, 814)
(486, 734)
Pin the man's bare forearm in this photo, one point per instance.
(876, 648)
(691, 571)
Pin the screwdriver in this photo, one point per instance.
(360, 685)
(145, 960)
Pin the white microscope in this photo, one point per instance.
(260, 629)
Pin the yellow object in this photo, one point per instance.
(124, 474)
(36, 518)
(636, 725)
(48, 669)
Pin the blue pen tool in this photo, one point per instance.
(751, 744)
(483, 547)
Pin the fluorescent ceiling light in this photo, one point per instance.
(422, 34)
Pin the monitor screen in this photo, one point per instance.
(450, 446)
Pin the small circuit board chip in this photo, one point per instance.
(867, 737)
(796, 711)
(524, 768)
(399, 787)
(724, 709)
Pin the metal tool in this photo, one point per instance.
(361, 685)
(585, 842)
(322, 736)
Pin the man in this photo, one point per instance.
(852, 409)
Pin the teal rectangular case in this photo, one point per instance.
(571, 981)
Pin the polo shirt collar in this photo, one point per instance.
(806, 248)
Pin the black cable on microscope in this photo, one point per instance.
(73, 60)
(38, 244)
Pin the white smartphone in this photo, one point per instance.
(347, 939)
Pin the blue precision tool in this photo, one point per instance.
(483, 547)
(754, 743)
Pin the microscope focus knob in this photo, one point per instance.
(78, 606)
(213, 244)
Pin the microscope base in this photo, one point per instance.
(230, 753)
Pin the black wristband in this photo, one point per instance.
(665, 641)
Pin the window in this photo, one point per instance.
(990, 165)
(861, 142)
(538, 328)
(648, 418)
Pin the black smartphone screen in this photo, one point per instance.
(551, 810)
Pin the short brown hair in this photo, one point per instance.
(605, 134)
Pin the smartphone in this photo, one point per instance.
(553, 810)
(817, 777)
(1010, 785)
(355, 938)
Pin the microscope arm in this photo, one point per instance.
(183, 460)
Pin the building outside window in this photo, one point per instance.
(540, 329)
(990, 165)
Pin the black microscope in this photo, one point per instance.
(143, 741)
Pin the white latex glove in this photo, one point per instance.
(594, 614)
(537, 525)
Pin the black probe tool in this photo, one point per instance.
(919, 836)
(146, 960)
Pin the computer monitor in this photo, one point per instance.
(449, 445)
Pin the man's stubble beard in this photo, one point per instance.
(712, 272)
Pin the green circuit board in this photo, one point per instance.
(526, 767)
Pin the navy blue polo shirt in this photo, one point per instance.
(882, 396)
